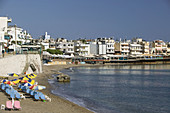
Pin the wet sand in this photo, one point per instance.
(57, 105)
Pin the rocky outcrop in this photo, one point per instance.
(63, 78)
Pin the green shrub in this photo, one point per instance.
(54, 51)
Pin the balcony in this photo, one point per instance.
(124, 43)
(136, 53)
(110, 47)
(136, 49)
(110, 51)
(84, 49)
(125, 47)
(125, 51)
(68, 51)
(59, 46)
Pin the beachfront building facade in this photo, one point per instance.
(81, 48)
(168, 49)
(146, 49)
(136, 47)
(66, 46)
(47, 42)
(93, 48)
(106, 46)
(124, 46)
(17, 35)
(110, 49)
(3, 31)
(158, 47)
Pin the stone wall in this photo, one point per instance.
(20, 64)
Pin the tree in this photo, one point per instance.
(54, 51)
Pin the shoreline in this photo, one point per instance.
(50, 70)
(57, 104)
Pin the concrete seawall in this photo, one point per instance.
(21, 63)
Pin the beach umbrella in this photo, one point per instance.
(9, 82)
(32, 82)
(33, 75)
(27, 84)
(21, 78)
(28, 76)
(25, 78)
(17, 81)
(37, 87)
(23, 81)
(29, 80)
(13, 75)
(14, 80)
(4, 80)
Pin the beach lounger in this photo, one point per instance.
(31, 92)
(9, 105)
(12, 94)
(17, 95)
(28, 90)
(3, 86)
(36, 97)
(7, 91)
(24, 88)
(17, 105)
(42, 96)
(48, 98)
(19, 86)
(22, 96)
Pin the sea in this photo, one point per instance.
(117, 88)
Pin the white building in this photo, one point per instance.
(82, 49)
(3, 30)
(67, 47)
(101, 48)
(136, 47)
(106, 46)
(18, 35)
(125, 49)
(46, 36)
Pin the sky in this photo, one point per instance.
(90, 19)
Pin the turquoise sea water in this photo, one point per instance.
(118, 89)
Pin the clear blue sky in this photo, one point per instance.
(73, 19)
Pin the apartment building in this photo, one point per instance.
(125, 49)
(159, 47)
(146, 49)
(122, 47)
(106, 46)
(93, 48)
(81, 49)
(3, 30)
(17, 35)
(168, 48)
(136, 47)
(66, 46)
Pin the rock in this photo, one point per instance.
(63, 78)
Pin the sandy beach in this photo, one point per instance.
(57, 105)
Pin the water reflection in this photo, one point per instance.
(121, 88)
